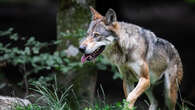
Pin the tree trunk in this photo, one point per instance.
(73, 15)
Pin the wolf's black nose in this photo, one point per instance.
(82, 49)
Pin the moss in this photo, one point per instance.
(71, 17)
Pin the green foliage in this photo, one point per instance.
(190, 1)
(30, 53)
(43, 80)
(27, 54)
(117, 106)
(100, 103)
(58, 100)
(76, 33)
(29, 107)
(184, 107)
(54, 99)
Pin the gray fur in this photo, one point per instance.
(130, 47)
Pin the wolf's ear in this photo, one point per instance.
(95, 14)
(110, 16)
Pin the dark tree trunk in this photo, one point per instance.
(73, 15)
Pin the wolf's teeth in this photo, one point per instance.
(95, 52)
(93, 60)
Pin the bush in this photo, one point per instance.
(28, 56)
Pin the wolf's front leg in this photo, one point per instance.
(143, 84)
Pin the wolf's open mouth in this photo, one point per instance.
(93, 55)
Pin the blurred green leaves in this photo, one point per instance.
(29, 55)
(76, 33)
(190, 1)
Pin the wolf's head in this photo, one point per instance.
(101, 33)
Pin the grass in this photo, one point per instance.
(29, 107)
(52, 98)
(100, 103)
(56, 101)
(117, 106)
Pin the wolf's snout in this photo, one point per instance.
(82, 49)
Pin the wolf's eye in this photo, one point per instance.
(96, 34)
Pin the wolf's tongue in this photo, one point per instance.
(84, 58)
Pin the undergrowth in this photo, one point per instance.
(57, 100)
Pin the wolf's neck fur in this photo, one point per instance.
(124, 49)
(128, 35)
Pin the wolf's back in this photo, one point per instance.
(158, 45)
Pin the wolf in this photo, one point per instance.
(141, 57)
